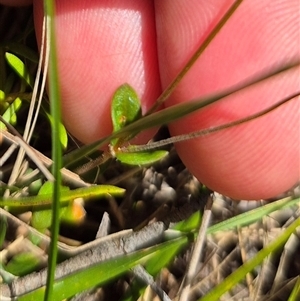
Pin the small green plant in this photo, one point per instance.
(125, 109)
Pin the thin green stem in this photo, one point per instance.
(54, 94)
(65, 197)
(173, 113)
(196, 134)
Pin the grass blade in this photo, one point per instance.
(65, 197)
(54, 95)
(296, 291)
(247, 267)
(106, 271)
(168, 91)
(253, 215)
(173, 113)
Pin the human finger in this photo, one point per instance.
(255, 160)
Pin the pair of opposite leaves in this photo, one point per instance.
(125, 109)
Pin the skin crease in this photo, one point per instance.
(102, 44)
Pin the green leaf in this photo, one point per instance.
(2, 96)
(22, 264)
(126, 107)
(19, 67)
(141, 158)
(62, 132)
(23, 50)
(190, 224)
(41, 219)
(10, 114)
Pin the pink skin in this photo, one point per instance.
(102, 44)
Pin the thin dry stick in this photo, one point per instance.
(29, 151)
(7, 154)
(249, 276)
(184, 137)
(92, 164)
(106, 248)
(206, 284)
(27, 132)
(45, 50)
(68, 176)
(143, 275)
(196, 253)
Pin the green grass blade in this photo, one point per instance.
(294, 296)
(65, 197)
(168, 91)
(101, 273)
(253, 215)
(79, 153)
(23, 264)
(178, 111)
(54, 95)
(248, 266)
(190, 224)
(171, 114)
(165, 255)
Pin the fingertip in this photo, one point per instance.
(252, 161)
(102, 45)
(255, 160)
